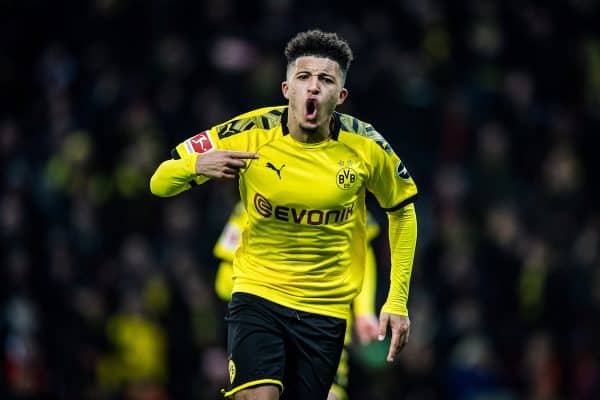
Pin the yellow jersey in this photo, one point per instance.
(305, 237)
(230, 238)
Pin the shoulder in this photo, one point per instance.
(353, 129)
(263, 118)
(240, 133)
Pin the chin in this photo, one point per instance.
(309, 128)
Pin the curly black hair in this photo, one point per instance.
(320, 44)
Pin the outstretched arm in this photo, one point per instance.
(403, 239)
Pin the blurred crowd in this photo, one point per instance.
(107, 292)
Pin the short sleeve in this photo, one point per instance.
(389, 180)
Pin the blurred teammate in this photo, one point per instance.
(303, 171)
(363, 306)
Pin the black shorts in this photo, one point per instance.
(271, 344)
(340, 381)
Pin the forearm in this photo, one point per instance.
(403, 240)
(173, 176)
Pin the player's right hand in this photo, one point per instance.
(221, 164)
(366, 327)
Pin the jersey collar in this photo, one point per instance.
(335, 124)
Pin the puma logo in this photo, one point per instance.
(274, 168)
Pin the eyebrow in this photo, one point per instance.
(318, 74)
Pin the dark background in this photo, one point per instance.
(107, 291)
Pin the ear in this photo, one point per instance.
(343, 95)
(285, 89)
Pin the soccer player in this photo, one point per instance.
(303, 170)
(363, 306)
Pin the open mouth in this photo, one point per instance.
(311, 109)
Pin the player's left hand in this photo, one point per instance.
(400, 327)
(367, 328)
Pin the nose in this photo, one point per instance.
(313, 85)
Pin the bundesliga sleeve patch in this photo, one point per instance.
(201, 143)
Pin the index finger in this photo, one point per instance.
(241, 154)
(394, 345)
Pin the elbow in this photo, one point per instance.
(170, 179)
(158, 188)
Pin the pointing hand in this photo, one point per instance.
(220, 164)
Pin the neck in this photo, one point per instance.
(300, 134)
(308, 136)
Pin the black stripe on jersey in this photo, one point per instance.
(411, 199)
(352, 124)
(271, 119)
(267, 120)
(336, 124)
(235, 127)
(355, 124)
(284, 117)
(343, 126)
(366, 130)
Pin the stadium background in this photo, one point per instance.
(107, 292)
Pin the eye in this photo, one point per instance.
(303, 77)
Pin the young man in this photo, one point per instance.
(363, 305)
(303, 171)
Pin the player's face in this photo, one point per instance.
(314, 88)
